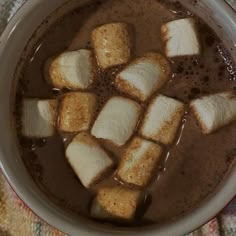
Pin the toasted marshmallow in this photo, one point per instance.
(162, 119)
(72, 69)
(116, 202)
(139, 162)
(111, 43)
(117, 120)
(39, 118)
(144, 76)
(88, 159)
(214, 111)
(180, 38)
(77, 111)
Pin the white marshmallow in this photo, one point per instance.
(72, 69)
(214, 111)
(162, 119)
(111, 43)
(180, 38)
(139, 162)
(88, 159)
(77, 110)
(144, 76)
(117, 120)
(39, 118)
(116, 202)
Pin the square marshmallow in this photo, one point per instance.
(77, 110)
(139, 162)
(39, 117)
(214, 111)
(72, 70)
(162, 119)
(115, 202)
(144, 76)
(117, 120)
(181, 38)
(111, 43)
(88, 159)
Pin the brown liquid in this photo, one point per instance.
(193, 168)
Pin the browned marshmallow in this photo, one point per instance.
(39, 117)
(116, 202)
(72, 69)
(88, 159)
(162, 119)
(214, 111)
(111, 43)
(117, 120)
(77, 111)
(144, 76)
(139, 162)
(180, 38)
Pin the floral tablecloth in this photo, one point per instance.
(17, 220)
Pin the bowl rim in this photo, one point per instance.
(182, 226)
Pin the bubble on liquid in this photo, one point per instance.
(195, 91)
(205, 78)
(231, 67)
(40, 142)
(191, 96)
(195, 62)
(23, 86)
(26, 143)
(180, 69)
(209, 40)
(56, 92)
(65, 90)
(217, 60)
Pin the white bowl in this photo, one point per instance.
(12, 42)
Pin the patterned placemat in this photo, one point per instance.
(17, 220)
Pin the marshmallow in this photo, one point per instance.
(180, 38)
(162, 119)
(115, 202)
(214, 111)
(72, 70)
(117, 120)
(144, 76)
(88, 159)
(111, 43)
(139, 162)
(77, 111)
(39, 118)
